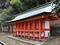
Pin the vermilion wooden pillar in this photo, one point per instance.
(24, 30)
(15, 29)
(43, 27)
(18, 29)
(34, 29)
(21, 29)
(39, 29)
(12, 30)
(28, 30)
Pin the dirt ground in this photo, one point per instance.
(54, 41)
(3, 37)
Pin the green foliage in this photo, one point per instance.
(13, 2)
(16, 2)
(6, 15)
(57, 8)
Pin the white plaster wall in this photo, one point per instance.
(47, 33)
(47, 24)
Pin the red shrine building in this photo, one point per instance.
(34, 23)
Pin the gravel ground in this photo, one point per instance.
(54, 41)
(3, 38)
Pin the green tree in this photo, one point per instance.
(17, 5)
(57, 8)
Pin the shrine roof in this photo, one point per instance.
(35, 11)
